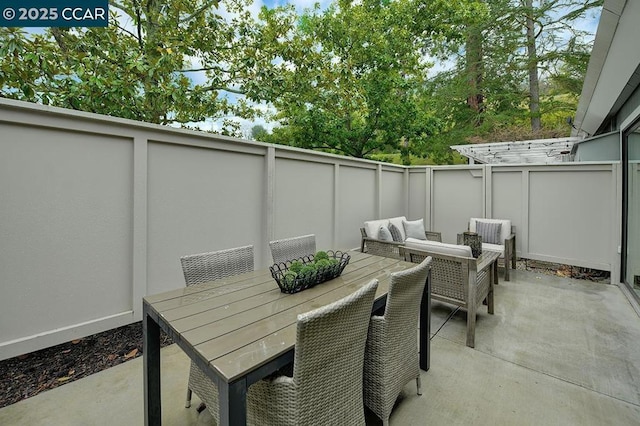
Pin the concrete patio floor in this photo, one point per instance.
(557, 352)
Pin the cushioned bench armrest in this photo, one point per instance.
(363, 233)
(433, 235)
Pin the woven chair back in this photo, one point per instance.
(204, 267)
(403, 300)
(329, 360)
(292, 248)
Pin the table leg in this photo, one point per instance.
(151, 361)
(491, 289)
(233, 403)
(425, 326)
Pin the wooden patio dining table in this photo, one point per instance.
(240, 329)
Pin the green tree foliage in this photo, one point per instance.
(527, 68)
(258, 132)
(141, 66)
(352, 77)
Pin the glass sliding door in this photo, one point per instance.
(631, 208)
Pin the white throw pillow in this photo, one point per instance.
(414, 229)
(384, 234)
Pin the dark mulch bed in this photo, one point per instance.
(566, 271)
(27, 375)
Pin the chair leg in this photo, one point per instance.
(419, 384)
(385, 422)
(188, 403)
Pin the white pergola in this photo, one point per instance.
(543, 151)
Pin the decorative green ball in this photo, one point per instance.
(323, 263)
(296, 266)
(308, 269)
(289, 279)
(321, 255)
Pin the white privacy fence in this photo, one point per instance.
(96, 211)
(568, 213)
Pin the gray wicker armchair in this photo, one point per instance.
(201, 268)
(326, 387)
(456, 280)
(292, 248)
(391, 356)
(504, 243)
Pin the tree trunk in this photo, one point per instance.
(152, 44)
(475, 69)
(534, 84)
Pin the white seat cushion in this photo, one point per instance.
(438, 247)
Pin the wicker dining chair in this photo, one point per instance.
(391, 357)
(201, 268)
(292, 248)
(326, 387)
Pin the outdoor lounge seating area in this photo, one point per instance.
(385, 237)
(549, 355)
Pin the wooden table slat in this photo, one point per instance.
(258, 288)
(487, 257)
(202, 319)
(261, 325)
(210, 290)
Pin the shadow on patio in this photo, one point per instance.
(557, 351)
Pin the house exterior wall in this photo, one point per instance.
(600, 148)
(96, 211)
